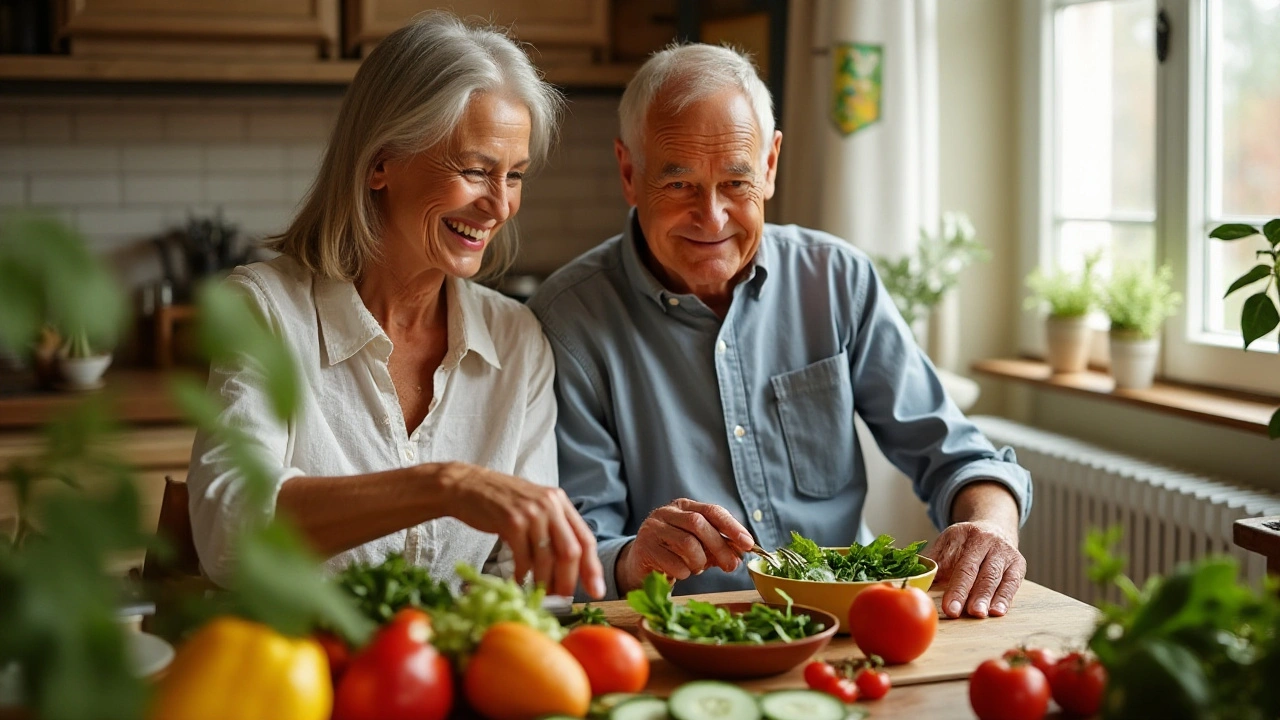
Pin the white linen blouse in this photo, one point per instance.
(494, 406)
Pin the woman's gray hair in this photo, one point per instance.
(686, 74)
(409, 94)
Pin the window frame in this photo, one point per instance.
(1188, 353)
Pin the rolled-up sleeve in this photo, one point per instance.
(219, 497)
(918, 427)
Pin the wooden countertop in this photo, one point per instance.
(138, 397)
(934, 685)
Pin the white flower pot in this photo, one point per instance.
(1133, 361)
(83, 373)
(1068, 343)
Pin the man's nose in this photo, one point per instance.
(712, 212)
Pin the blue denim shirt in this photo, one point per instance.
(660, 399)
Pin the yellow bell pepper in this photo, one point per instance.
(233, 668)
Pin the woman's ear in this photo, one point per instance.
(378, 175)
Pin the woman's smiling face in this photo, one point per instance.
(442, 206)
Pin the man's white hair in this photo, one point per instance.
(686, 74)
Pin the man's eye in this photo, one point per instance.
(474, 172)
(677, 185)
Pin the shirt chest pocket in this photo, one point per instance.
(815, 409)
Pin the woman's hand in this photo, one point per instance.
(539, 524)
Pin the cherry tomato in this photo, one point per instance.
(613, 658)
(845, 690)
(819, 675)
(1009, 690)
(896, 623)
(873, 684)
(1078, 683)
(1044, 659)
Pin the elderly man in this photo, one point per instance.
(709, 365)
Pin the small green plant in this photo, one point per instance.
(78, 346)
(1067, 294)
(1258, 316)
(1138, 300)
(918, 282)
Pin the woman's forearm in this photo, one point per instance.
(338, 513)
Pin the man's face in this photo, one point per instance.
(699, 188)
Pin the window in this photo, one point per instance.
(1140, 158)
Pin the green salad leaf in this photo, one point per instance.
(701, 621)
(877, 561)
(382, 590)
(488, 600)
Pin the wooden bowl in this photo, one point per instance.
(743, 660)
(833, 597)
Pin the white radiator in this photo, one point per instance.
(1168, 516)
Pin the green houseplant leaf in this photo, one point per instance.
(1259, 272)
(1272, 231)
(1258, 317)
(1233, 231)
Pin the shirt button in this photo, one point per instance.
(673, 301)
(721, 347)
(408, 453)
(757, 516)
(739, 431)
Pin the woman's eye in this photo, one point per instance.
(515, 177)
(474, 172)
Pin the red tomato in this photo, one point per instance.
(1005, 690)
(873, 684)
(1078, 682)
(399, 676)
(819, 675)
(336, 650)
(845, 690)
(896, 623)
(1044, 659)
(614, 660)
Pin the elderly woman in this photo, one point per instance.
(426, 397)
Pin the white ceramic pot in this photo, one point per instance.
(1068, 343)
(1133, 360)
(84, 373)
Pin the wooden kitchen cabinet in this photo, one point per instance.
(199, 29)
(562, 30)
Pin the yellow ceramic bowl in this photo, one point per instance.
(834, 597)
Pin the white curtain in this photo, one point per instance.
(860, 160)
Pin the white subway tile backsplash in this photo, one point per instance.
(45, 157)
(259, 222)
(211, 126)
(159, 189)
(68, 189)
(13, 159)
(46, 127)
(299, 186)
(260, 188)
(103, 126)
(13, 191)
(122, 222)
(289, 126)
(261, 156)
(305, 157)
(184, 157)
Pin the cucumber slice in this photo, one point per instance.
(601, 705)
(711, 700)
(802, 705)
(640, 708)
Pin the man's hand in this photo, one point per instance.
(982, 566)
(682, 539)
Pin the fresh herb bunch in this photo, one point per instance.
(703, 622)
(1138, 300)
(877, 561)
(588, 615)
(1068, 295)
(918, 282)
(1196, 644)
(382, 590)
(488, 600)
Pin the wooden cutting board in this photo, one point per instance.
(1039, 616)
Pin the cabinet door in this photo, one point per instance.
(258, 21)
(551, 22)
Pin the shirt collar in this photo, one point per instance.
(347, 326)
(645, 283)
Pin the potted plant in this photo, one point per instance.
(1070, 298)
(1138, 301)
(79, 365)
(1258, 316)
(918, 282)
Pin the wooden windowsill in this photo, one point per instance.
(1242, 411)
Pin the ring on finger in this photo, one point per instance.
(544, 543)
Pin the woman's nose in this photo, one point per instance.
(497, 201)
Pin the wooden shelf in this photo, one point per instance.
(137, 396)
(1242, 411)
(53, 68)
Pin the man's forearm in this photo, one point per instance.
(987, 501)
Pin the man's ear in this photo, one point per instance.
(378, 175)
(627, 169)
(771, 165)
